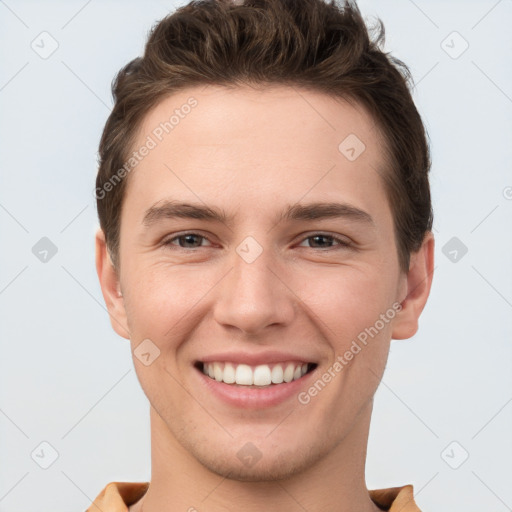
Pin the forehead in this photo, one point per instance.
(218, 115)
(248, 143)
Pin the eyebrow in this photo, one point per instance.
(315, 211)
(168, 209)
(171, 209)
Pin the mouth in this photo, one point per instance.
(255, 377)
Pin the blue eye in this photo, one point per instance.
(194, 241)
(323, 238)
(188, 239)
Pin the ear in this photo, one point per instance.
(110, 287)
(417, 283)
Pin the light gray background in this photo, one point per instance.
(66, 378)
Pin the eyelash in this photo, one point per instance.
(342, 243)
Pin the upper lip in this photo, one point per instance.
(254, 359)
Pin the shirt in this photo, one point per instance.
(118, 496)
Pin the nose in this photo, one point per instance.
(254, 296)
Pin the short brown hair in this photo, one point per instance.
(323, 47)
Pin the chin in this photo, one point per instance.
(262, 471)
(267, 465)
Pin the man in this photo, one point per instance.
(265, 232)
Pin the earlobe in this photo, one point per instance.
(418, 284)
(110, 287)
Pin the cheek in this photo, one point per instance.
(166, 303)
(348, 300)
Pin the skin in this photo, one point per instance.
(252, 153)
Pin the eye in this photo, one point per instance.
(186, 241)
(323, 240)
(195, 241)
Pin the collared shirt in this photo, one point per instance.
(118, 496)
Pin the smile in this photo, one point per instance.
(262, 375)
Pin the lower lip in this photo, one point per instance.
(246, 397)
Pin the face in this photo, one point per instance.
(257, 246)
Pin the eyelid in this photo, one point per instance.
(175, 236)
(341, 240)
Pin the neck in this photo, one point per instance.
(334, 482)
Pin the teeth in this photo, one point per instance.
(229, 374)
(217, 372)
(262, 375)
(277, 374)
(289, 373)
(243, 375)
